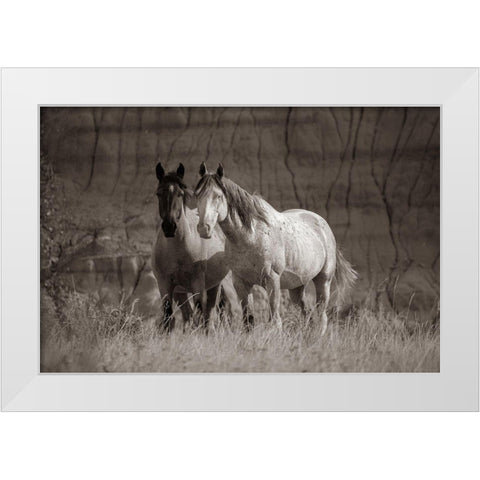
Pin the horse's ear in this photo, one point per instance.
(160, 171)
(203, 169)
(220, 170)
(181, 170)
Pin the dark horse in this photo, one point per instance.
(182, 262)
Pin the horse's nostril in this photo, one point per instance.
(169, 229)
(203, 230)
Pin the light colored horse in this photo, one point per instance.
(277, 250)
(182, 262)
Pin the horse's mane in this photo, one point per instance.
(172, 177)
(247, 206)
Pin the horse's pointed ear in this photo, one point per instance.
(220, 170)
(160, 171)
(181, 170)
(203, 169)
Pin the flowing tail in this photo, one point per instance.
(345, 277)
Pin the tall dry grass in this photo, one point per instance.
(90, 338)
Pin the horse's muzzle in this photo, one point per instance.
(205, 230)
(169, 229)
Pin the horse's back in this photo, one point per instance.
(306, 224)
(309, 244)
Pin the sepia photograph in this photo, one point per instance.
(239, 239)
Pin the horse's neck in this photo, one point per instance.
(235, 232)
(238, 235)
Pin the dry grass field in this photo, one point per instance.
(91, 338)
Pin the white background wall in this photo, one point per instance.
(280, 33)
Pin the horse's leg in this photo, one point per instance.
(297, 296)
(272, 284)
(200, 305)
(322, 287)
(243, 289)
(198, 286)
(184, 304)
(168, 317)
(222, 305)
(167, 322)
(211, 301)
(229, 302)
(225, 307)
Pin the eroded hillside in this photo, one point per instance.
(373, 173)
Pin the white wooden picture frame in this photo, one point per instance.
(24, 388)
